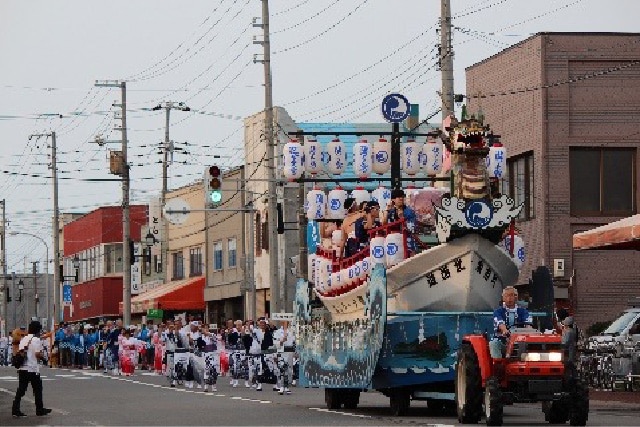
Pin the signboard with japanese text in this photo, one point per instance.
(136, 269)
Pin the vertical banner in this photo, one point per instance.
(155, 226)
(136, 269)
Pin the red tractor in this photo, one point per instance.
(533, 370)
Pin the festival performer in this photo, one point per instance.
(211, 359)
(129, 353)
(195, 367)
(111, 355)
(237, 355)
(285, 342)
(262, 341)
(170, 344)
(158, 350)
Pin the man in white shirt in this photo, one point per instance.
(29, 373)
(284, 339)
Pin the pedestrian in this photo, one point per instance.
(29, 373)
(4, 350)
(211, 359)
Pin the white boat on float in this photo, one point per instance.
(399, 370)
(417, 370)
(466, 274)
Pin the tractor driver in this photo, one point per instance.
(504, 317)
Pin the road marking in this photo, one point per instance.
(340, 413)
(28, 399)
(65, 375)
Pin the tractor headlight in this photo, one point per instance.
(542, 357)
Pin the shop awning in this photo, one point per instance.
(179, 295)
(622, 234)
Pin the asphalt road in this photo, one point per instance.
(91, 398)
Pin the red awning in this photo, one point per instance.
(179, 295)
(622, 234)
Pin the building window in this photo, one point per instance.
(519, 183)
(195, 261)
(602, 181)
(231, 247)
(178, 265)
(217, 256)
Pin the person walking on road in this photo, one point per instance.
(29, 373)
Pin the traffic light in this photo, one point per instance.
(213, 185)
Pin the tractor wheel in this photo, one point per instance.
(351, 398)
(468, 385)
(399, 401)
(555, 412)
(332, 398)
(493, 406)
(579, 411)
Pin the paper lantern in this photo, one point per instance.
(292, 159)
(336, 156)
(366, 267)
(410, 153)
(432, 156)
(361, 195)
(312, 156)
(316, 204)
(381, 156)
(381, 195)
(335, 203)
(394, 248)
(497, 160)
(362, 160)
(518, 249)
(377, 251)
(336, 281)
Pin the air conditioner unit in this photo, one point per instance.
(558, 267)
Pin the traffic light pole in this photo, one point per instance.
(57, 280)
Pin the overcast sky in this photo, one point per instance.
(332, 61)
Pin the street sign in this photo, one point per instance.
(66, 294)
(155, 313)
(289, 317)
(179, 211)
(395, 108)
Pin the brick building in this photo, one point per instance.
(568, 108)
(95, 239)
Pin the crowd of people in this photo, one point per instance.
(187, 352)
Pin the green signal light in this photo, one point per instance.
(215, 196)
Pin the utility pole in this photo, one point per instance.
(35, 287)
(126, 227)
(3, 259)
(168, 106)
(57, 280)
(446, 59)
(272, 197)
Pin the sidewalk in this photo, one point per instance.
(627, 400)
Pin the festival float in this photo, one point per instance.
(391, 316)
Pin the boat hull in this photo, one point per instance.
(464, 275)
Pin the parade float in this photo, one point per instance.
(391, 317)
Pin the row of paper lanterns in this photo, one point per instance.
(370, 158)
(387, 250)
(367, 158)
(330, 205)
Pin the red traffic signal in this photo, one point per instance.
(214, 173)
